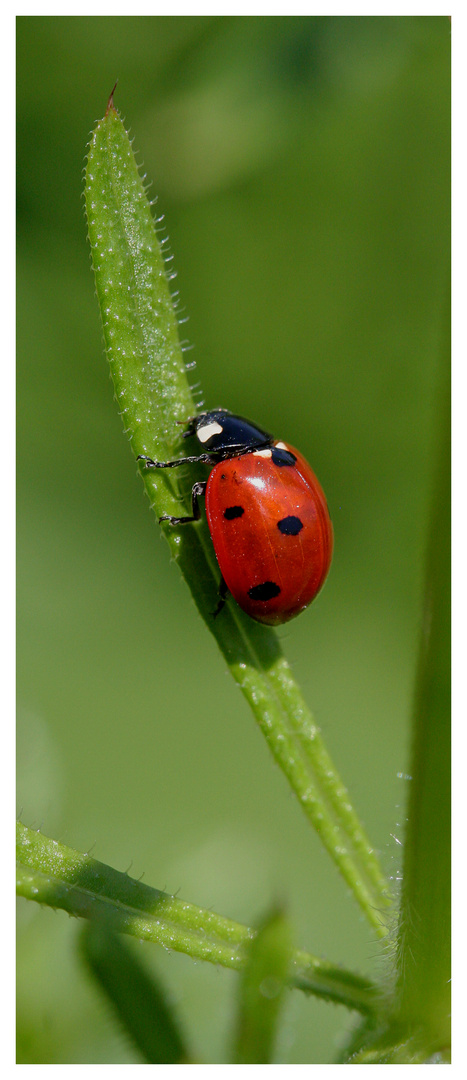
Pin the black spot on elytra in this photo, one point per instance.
(233, 512)
(290, 526)
(282, 457)
(266, 591)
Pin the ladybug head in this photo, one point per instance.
(219, 431)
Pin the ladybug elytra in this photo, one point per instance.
(266, 513)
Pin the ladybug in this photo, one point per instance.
(267, 516)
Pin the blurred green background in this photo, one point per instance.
(302, 164)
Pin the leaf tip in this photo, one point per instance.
(110, 103)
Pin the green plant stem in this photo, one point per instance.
(151, 386)
(297, 745)
(55, 875)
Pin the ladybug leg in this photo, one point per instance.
(223, 593)
(150, 464)
(197, 490)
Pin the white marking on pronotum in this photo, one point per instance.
(262, 453)
(281, 446)
(205, 433)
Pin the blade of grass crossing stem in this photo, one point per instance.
(261, 991)
(52, 874)
(153, 394)
(139, 1003)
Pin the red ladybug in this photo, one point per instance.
(267, 516)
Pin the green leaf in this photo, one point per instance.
(52, 874)
(414, 1023)
(152, 391)
(138, 1001)
(261, 992)
(424, 938)
(132, 283)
